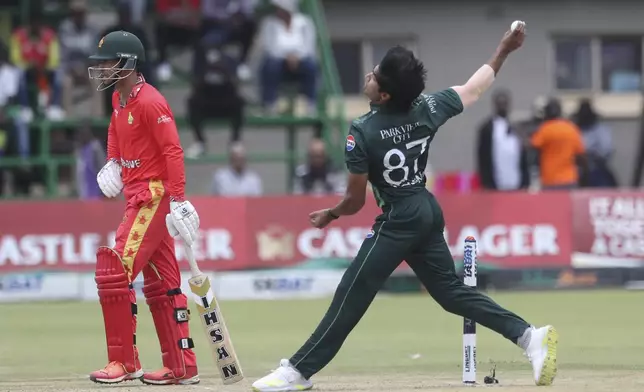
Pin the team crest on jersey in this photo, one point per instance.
(351, 143)
(371, 233)
(130, 118)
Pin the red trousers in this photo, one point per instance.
(144, 244)
(142, 238)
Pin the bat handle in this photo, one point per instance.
(190, 255)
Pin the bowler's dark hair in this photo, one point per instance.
(402, 76)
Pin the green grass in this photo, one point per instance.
(599, 330)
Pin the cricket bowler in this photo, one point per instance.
(388, 147)
(145, 161)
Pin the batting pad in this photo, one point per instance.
(169, 308)
(119, 312)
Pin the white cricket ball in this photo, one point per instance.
(516, 24)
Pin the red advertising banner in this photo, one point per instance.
(609, 229)
(513, 231)
(64, 236)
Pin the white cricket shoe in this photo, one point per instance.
(542, 353)
(283, 379)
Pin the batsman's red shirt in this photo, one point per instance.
(143, 138)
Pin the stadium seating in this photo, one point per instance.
(331, 117)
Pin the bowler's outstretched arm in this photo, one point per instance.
(484, 76)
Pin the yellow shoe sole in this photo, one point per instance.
(549, 370)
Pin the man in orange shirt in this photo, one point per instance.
(561, 150)
(145, 161)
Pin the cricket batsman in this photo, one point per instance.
(388, 147)
(145, 161)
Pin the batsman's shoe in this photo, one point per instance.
(542, 352)
(165, 376)
(284, 378)
(114, 373)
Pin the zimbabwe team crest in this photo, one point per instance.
(351, 143)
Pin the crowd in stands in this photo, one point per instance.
(546, 152)
(43, 75)
(317, 176)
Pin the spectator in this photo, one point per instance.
(526, 128)
(136, 9)
(502, 161)
(236, 179)
(90, 158)
(235, 23)
(215, 93)
(289, 41)
(9, 87)
(14, 134)
(599, 146)
(77, 40)
(125, 23)
(318, 176)
(62, 145)
(36, 51)
(177, 25)
(9, 79)
(5, 135)
(561, 148)
(20, 176)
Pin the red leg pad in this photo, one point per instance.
(118, 302)
(169, 308)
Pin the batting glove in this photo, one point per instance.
(109, 179)
(183, 221)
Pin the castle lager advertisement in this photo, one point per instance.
(513, 230)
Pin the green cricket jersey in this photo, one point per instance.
(393, 147)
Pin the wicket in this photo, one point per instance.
(469, 326)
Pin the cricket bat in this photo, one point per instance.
(221, 346)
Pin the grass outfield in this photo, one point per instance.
(404, 343)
